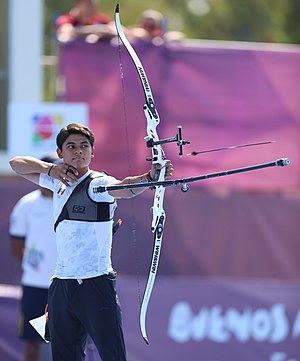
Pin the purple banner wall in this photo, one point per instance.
(11, 349)
(221, 96)
(207, 233)
(220, 320)
(243, 227)
(198, 320)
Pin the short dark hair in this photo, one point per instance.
(74, 128)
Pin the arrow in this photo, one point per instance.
(231, 147)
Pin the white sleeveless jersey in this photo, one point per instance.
(83, 248)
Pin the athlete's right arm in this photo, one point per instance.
(29, 167)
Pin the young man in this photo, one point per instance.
(82, 297)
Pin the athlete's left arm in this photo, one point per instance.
(143, 178)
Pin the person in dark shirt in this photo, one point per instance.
(152, 27)
(84, 21)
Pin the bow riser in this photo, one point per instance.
(157, 209)
(158, 155)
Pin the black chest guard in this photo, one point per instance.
(80, 207)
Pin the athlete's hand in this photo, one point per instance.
(64, 172)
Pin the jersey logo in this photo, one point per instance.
(78, 209)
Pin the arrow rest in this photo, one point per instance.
(178, 139)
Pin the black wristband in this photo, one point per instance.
(50, 169)
(148, 177)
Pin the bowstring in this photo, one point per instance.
(133, 224)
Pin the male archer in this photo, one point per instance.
(82, 296)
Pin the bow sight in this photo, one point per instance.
(178, 139)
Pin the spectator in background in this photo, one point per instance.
(33, 245)
(83, 21)
(152, 26)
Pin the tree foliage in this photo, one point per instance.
(291, 22)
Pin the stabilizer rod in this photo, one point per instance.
(282, 162)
